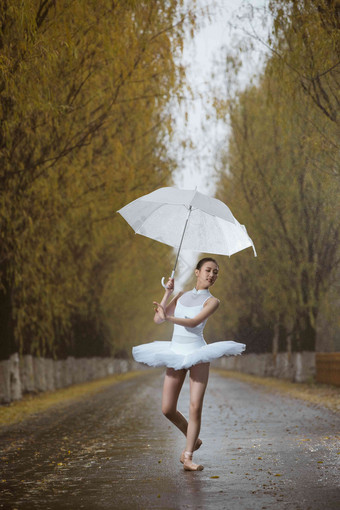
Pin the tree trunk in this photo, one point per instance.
(305, 338)
(7, 343)
(275, 345)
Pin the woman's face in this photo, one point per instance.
(206, 276)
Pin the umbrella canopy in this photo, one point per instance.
(187, 219)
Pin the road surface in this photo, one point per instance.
(115, 450)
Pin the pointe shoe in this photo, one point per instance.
(189, 465)
(198, 445)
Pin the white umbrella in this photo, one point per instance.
(187, 219)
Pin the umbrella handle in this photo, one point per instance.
(163, 279)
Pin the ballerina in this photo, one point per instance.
(187, 350)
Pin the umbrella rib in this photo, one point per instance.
(141, 225)
(180, 244)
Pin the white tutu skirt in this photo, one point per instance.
(178, 355)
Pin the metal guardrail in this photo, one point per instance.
(328, 367)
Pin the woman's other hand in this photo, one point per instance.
(159, 309)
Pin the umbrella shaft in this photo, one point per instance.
(180, 244)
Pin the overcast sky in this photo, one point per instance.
(203, 57)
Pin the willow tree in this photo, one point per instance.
(306, 40)
(278, 177)
(84, 94)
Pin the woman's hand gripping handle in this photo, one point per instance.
(160, 308)
(171, 279)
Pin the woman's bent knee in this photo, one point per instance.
(169, 412)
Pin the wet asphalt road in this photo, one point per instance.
(115, 450)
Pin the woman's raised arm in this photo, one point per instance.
(169, 308)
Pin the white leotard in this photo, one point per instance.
(185, 340)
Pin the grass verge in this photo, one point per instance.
(31, 404)
(318, 394)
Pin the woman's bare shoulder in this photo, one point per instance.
(212, 301)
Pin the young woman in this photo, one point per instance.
(187, 350)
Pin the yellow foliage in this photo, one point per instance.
(85, 89)
(279, 178)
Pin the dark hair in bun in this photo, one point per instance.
(203, 261)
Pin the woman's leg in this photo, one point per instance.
(173, 382)
(199, 375)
